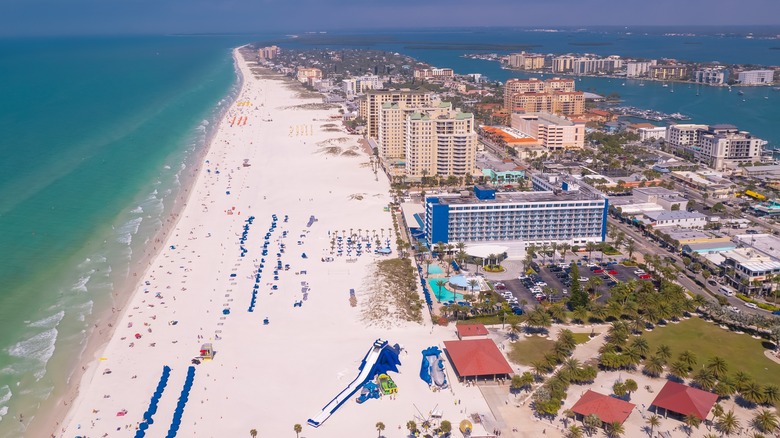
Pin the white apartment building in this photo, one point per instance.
(684, 137)
(756, 77)
(681, 218)
(654, 133)
(551, 131)
(361, 84)
(584, 66)
(563, 64)
(711, 76)
(636, 69)
(441, 142)
(725, 146)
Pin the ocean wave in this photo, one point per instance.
(127, 230)
(167, 167)
(137, 210)
(5, 396)
(38, 349)
(81, 284)
(49, 322)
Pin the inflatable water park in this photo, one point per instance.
(372, 380)
(432, 370)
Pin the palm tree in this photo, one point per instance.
(717, 411)
(297, 428)
(728, 423)
(689, 358)
(653, 421)
(654, 366)
(718, 366)
(440, 284)
(615, 429)
(380, 427)
(705, 379)
(766, 421)
(631, 386)
(591, 422)
(752, 393)
(472, 284)
(580, 314)
(664, 352)
(574, 431)
(679, 370)
(640, 343)
(691, 421)
(253, 433)
(630, 247)
(771, 394)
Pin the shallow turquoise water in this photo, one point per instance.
(444, 295)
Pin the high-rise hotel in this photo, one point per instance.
(560, 210)
(555, 96)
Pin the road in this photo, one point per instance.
(646, 245)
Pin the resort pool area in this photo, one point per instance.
(446, 295)
(434, 270)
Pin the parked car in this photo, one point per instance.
(598, 271)
(751, 305)
(639, 272)
(645, 277)
(776, 312)
(612, 272)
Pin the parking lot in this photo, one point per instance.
(532, 289)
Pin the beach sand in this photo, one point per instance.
(272, 376)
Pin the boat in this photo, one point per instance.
(665, 85)
(741, 93)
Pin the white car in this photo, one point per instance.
(639, 272)
(583, 279)
(751, 305)
(541, 284)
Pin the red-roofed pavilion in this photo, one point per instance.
(477, 358)
(685, 400)
(608, 409)
(471, 330)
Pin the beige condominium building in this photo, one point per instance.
(370, 106)
(716, 146)
(526, 61)
(268, 53)
(440, 142)
(555, 95)
(391, 137)
(551, 131)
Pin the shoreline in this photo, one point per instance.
(82, 371)
(305, 335)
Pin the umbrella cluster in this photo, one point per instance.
(147, 421)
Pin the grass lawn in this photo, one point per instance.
(528, 350)
(705, 339)
(581, 338)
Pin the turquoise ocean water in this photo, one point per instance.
(96, 137)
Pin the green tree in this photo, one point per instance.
(579, 298)
(691, 421)
(445, 426)
(718, 366)
(440, 284)
(728, 423)
(771, 394)
(619, 389)
(591, 423)
(654, 366)
(297, 428)
(631, 386)
(688, 358)
(765, 421)
(752, 393)
(380, 427)
(615, 429)
(679, 369)
(574, 431)
(664, 352)
(653, 421)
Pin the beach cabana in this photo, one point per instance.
(608, 409)
(684, 400)
(477, 358)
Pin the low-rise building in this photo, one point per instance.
(668, 199)
(551, 131)
(756, 77)
(711, 76)
(434, 73)
(647, 131)
(304, 74)
(680, 218)
(669, 72)
(711, 183)
(750, 271)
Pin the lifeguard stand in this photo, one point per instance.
(206, 352)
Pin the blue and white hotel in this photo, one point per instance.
(560, 210)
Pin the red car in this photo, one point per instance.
(613, 272)
(645, 276)
(598, 271)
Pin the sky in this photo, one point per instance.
(71, 17)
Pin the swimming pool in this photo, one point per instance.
(434, 270)
(446, 295)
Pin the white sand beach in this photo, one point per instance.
(271, 376)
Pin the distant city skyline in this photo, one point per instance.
(78, 17)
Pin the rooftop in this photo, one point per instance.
(685, 400)
(752, 260)
(665, 215)
(767, 244)
(522, 197)
(476, 357)
(608, 409)
(466, 330)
